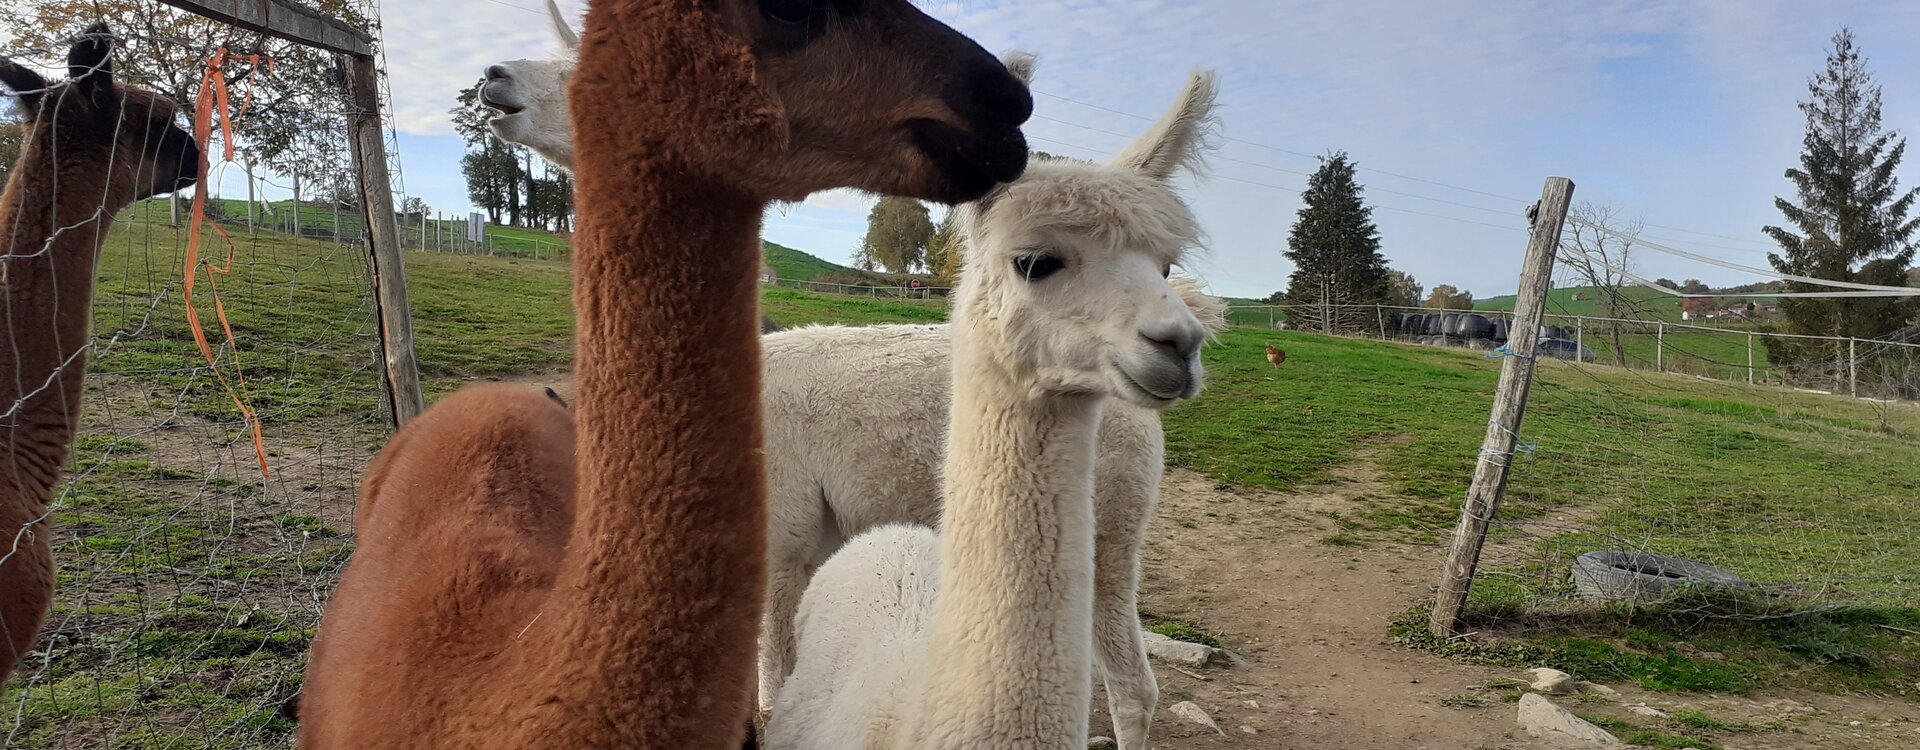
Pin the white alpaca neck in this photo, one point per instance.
(1009, 649)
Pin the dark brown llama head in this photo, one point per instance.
(87, 119)
(782, 98)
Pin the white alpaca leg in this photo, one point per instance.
(794, 549)
(1126, 486)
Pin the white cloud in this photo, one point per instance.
(1682, 111)
(434, 50)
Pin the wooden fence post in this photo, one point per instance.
(1660, 346)
(368, 144)
(1509, 407)
(1749, 359)
(1853, 368)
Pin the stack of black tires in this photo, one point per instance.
(1475, 331)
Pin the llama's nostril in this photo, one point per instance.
(1002, 97)
(496, 72)
(1175, 341)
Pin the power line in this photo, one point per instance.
(1292, 152)
(518, 7)
(1436, 183)
(1283, 170)
(1285, 189)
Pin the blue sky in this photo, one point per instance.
(1680, 112)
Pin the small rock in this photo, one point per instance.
(1244, 729)
(1599, 689)
(1253, 704)
(1183, 653)
(1853, 723)
(1545, 720)
(1193, 712)
(1100, 743)
(1648, 711)
(1552, 681)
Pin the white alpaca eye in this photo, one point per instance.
(1037, 267)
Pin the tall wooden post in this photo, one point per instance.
(1853, 368)
(250, 198)
(1660, 346)
(1749, 359)
(368, 143)
(1509, 406)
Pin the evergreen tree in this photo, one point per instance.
(1402, 289)
(1851, 222)
(1335, 249)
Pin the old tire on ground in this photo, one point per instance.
(1642, 577)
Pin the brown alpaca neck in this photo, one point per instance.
(54, 223)
(669, 526)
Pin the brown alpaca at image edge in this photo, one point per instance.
(526, 578)
(91, 150)
(1275, 355)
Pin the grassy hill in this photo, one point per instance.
(796, 265)
(317, 220)
(1645, 304)
(188, 585)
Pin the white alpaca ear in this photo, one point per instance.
(1020, 64)
(1180, 136)
(568, 38)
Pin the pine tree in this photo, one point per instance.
(1335, 249)
(1851, 222)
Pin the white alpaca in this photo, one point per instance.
(531, 97)
(979, 637)
(855, 419)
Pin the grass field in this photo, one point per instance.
(1643, 303)
(1719, 354)
(189, 586)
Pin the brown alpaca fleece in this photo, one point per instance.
(526, 578)
(91, 149)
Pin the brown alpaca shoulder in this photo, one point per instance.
(464, 520)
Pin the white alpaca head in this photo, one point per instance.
(1068, 266)
(531, 97)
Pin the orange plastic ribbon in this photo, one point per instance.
(212, 97)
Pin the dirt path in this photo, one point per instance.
(1321, 674)
(1311, 619)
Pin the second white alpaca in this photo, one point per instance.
(979, 636)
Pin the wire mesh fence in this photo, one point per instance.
(1659, 464)
(190, 567)
(1737, 350)
(1717, 498)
